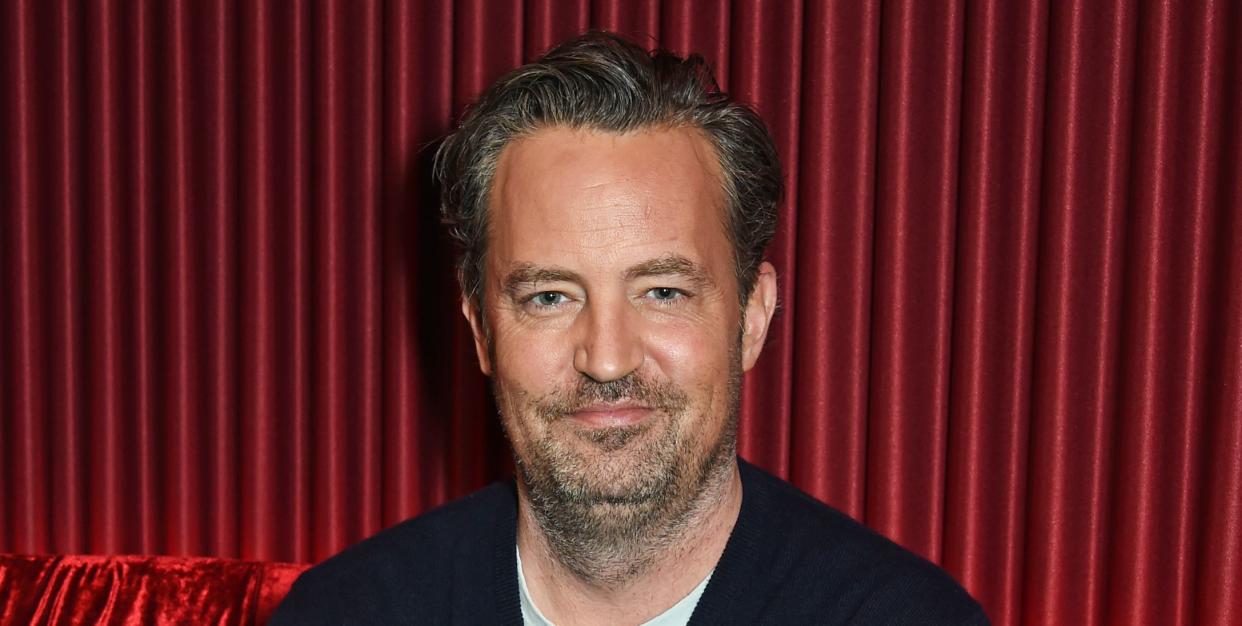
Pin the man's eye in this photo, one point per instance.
(665, 294)
(545, 299)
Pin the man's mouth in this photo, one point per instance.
(612, 414)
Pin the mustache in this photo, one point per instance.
(653, 394)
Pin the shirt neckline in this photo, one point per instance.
(679, 613)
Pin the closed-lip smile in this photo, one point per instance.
(611, 414)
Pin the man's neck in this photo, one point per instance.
(565, 598)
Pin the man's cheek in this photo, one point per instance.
(684, 354)
(536, 353)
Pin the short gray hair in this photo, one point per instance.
(602, 82)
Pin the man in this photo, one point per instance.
(613, 207)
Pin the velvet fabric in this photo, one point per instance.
(140, 590)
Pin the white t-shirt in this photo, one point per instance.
(676, 615)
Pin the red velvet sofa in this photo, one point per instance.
(140, 589)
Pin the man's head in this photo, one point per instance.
(620, 238)
(601, 82)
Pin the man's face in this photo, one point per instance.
(614, 336)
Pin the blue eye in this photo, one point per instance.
(547, 299)
(665, 294)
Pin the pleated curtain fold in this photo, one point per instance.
(1010, 257)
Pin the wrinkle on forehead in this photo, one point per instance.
(597, 203)
(601, 182)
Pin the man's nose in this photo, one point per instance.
(610, 345)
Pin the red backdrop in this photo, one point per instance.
(1010, 257)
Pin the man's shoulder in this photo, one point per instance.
(827, 561)
(398, 570)
(817, 529)
(414, 544)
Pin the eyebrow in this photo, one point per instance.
(671, 265)
(529, 274)
(526, 274)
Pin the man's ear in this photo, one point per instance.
(758, 314)
(475, 317)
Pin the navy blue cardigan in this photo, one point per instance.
(789, 560)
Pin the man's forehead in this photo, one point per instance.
(619, 198)
(583, 161)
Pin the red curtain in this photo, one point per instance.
(1010, 256)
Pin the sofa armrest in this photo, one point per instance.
(140, 589)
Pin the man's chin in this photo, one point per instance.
(598, 470)
(616, 478)
(612, 439)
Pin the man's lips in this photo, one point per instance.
(611, 415)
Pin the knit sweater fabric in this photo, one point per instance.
(790, 559)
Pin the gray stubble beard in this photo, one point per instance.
(608, 539)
